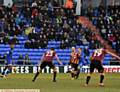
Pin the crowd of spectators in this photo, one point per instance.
(43, 21)
(2, 59)
(23, 60)
(108, 23)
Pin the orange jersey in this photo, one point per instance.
(98, 54)
(74, 58)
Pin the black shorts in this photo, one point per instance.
(46, 63)
(96, 64)
(74, 66)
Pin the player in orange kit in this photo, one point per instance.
(74, 62)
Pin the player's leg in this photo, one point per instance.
(6, 70)
(69, 68)
(101, 72)
(101, 79)
(77, 72)
(51, 65)
(88, 79)
(72, 71)
(43, 64)
(72, 74)
(54, 74)
(89, 74)
(36, 75)
(9, 69)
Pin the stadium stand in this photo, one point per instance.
(36, 27)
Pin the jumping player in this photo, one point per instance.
(96, 62)
(8, 66)
(46, 60)
(74, 62)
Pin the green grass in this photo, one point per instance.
(63, 84)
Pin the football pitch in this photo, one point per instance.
(63, 84)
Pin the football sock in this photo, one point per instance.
(3, 73)
(101, 78)
(7, 72)
(72, 75)
(78, 72)
(36, 75)
(54, 75)
(88, 79)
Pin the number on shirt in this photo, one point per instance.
(98, 52)
(49, 53)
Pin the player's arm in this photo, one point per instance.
(91, 57)
(112, 54)
(58, 59)
(79, 51)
